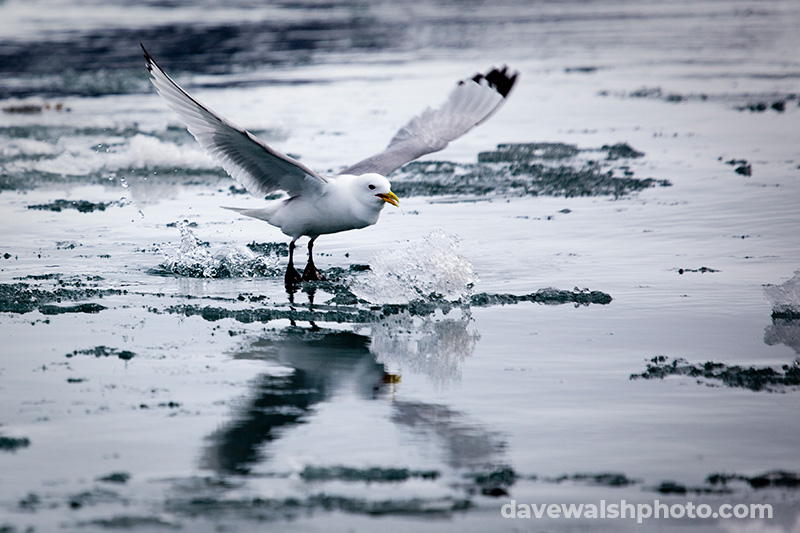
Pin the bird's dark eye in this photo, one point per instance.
(372, 187)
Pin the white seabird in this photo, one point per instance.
(316, 204)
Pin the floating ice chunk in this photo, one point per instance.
(785, 298)
(420, 270)
(196, 259)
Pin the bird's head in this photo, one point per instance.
(374, 190)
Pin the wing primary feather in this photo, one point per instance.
(499, 80)
(471, 103)
(248, 159)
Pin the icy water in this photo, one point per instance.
(590, 298)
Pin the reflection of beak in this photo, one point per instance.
(389, 198)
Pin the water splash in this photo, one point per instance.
(138, 152)
(422, 270)
(196, 259)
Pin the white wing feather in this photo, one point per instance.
(470, 103)
(259, 168)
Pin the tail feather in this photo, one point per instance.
(263, 213)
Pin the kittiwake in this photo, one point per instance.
(316, 204)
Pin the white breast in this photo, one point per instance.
(336, 210)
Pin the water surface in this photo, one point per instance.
(155, 373)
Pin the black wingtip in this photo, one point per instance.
(501, 80)
(147, 57)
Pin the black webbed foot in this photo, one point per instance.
(293, 277)
(310, 273)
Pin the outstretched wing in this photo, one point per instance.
(259, 168)
(471, 103)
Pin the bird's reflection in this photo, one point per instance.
(464, 445)
(318, 364)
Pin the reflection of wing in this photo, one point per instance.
(322, 362)
(259, 168)
(278, 402)
(465, 443)
(471, 103)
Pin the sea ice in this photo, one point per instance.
(785, 298)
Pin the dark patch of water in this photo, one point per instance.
(621, 151)
(529, 169)
(132, 523)
(12, 444)
(606, 479)
(495, 482)
(83, 206)
(259, 508)
(550, 296)
(104, 351)
(264, 314)
(343, 309)
(778, 105)
(771, 479)
(33, 109)
(95, 496)
(23, 298)
(109, 60)
(701, 270)
(756, 379)
(270, 248)
(743, 168)
(365, 475)
(787, 316)
(754, 103)
(724, 483)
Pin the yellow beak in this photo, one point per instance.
(389, 198)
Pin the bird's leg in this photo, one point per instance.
(292, 278)
(310, 273)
